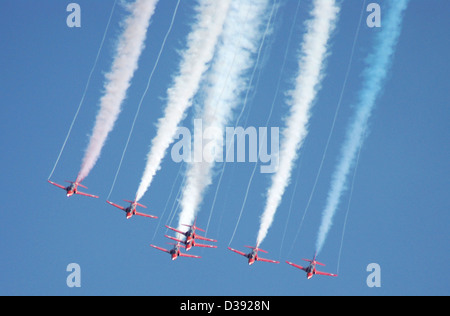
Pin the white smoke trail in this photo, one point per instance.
(202, 41)
(378, 64)
(149, 81)
(85, 90)
(311, 64)
(225, 84)
(129, 48)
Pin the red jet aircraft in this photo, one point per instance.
(72, 188)
(311, 269)
(253, 255)
(191, 236)
(131, 210)
(175, 252)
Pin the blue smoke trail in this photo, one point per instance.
(378, 64)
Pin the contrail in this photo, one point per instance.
(374, 75)
(128, 50)
(200, 49)
(226, 82)
(314, 51)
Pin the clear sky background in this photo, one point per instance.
(399, 212)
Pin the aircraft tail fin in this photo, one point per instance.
(132, 202)
(79, 184)
(259, 249)
(317, 262)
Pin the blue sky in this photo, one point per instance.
(399, 209)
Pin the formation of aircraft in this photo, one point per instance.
(191, 236)
(189, 241)
(131, 210)
(311, 269)
(73, 188)
(253, 255)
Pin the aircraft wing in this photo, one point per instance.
(189, 256)
(198, 228)
(204, 246)
(324, 273)
(145, 215)
(86, 194)
(266, 260)
(204, 238)
(116, 205)
(173, 238)
(56, 184)
(176, 230)
(238, 252)
(159, 248)
(296, 265)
